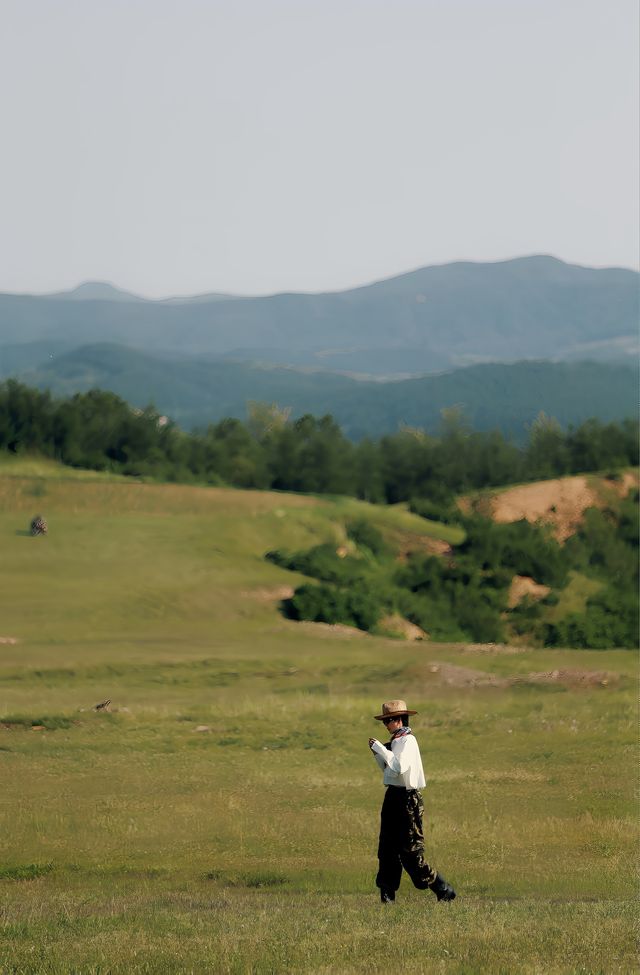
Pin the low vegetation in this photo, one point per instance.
(465, 594)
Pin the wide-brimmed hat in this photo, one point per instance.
(393, 709)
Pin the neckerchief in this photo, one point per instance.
(400, 733)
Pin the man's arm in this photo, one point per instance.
(379, 759)
(398, 760)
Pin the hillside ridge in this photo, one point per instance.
(195, 390)
(425, 321)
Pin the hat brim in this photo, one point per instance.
(392, 714)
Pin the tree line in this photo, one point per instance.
(100, 431)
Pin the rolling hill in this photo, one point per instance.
(195, 391)
(426, 321)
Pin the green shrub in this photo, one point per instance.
(359, 605)
(366, 535)
(610, 620)
(321, 562)
(453, 600)
(444, 512)
(526, 549)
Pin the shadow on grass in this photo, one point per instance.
(260, 878)
(48, 722)
(28, 871)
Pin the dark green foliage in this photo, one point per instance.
(605, 547)
(458, 595)
(610, 620)
(366, 535)
(552, 599)
(310, 455)
(524, 618)
(321, 562)
(360, 605)
(523, 548)
(445, 512)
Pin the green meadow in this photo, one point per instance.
(221, 815)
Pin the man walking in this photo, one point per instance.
(401, 837)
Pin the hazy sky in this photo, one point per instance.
(251, 146)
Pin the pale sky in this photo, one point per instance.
(254, 146)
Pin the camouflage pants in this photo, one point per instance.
(402, 840)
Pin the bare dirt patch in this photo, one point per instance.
(269, 595)
(493, 649)
(450, 675)
(453, 676)
(522, 586)
(560, 502)
(396, 625)
(331, 629)
(422, 544)
(575, 678)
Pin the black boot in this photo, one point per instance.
(387, 896)
(442, 890)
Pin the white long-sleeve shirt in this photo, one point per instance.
(402, 765)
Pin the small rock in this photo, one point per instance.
(202, 727)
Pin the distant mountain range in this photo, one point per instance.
(503, 341)
(427, 321)
(195, 391)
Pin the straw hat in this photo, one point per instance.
(393, 709)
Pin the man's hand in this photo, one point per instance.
(372, 742)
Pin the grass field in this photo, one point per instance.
(133, 843)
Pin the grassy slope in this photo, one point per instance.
(252, 848)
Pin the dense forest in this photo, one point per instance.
(98, 430)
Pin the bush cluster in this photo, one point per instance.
(458, 598)
(465, 596)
